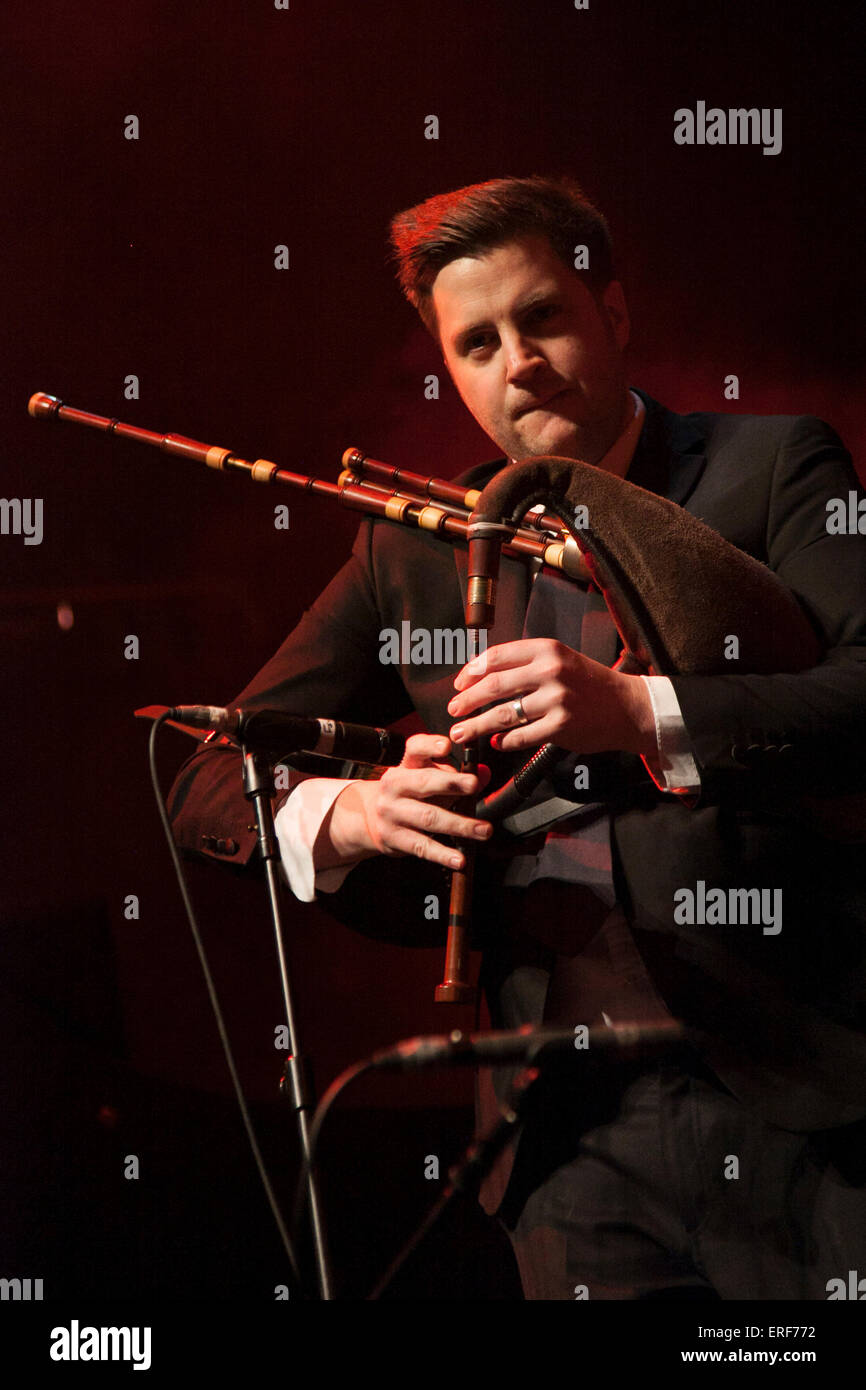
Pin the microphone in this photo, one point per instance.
(529, 1046)
(272, 731)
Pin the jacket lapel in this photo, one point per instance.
(669, 457)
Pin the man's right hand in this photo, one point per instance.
(402, 811)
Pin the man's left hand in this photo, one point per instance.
(567, 699)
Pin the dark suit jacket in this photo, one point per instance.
(783, 1017)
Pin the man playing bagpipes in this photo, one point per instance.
(692, 852)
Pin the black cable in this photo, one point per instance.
(336, 1088)
(215, 1005)
(345, 1079)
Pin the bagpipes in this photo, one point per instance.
(675, 589)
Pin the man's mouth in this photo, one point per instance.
(539, 405)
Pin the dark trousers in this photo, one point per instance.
(673, 1188)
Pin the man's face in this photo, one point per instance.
(535, 358)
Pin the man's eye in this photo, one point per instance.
(478, 340)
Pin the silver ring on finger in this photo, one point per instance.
(517, 706)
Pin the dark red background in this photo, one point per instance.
(155, 257)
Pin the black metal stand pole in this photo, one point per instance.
(297, 1081)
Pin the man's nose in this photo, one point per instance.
(523, 359)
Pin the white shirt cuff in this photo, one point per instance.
(297, 824)
(673, 769)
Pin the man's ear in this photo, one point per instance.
(614, 306)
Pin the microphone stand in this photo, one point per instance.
(525, 1095)
(467, 1175)
(297, 1080)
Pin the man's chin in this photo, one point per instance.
(562, 442)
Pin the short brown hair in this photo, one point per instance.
(482, 216)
